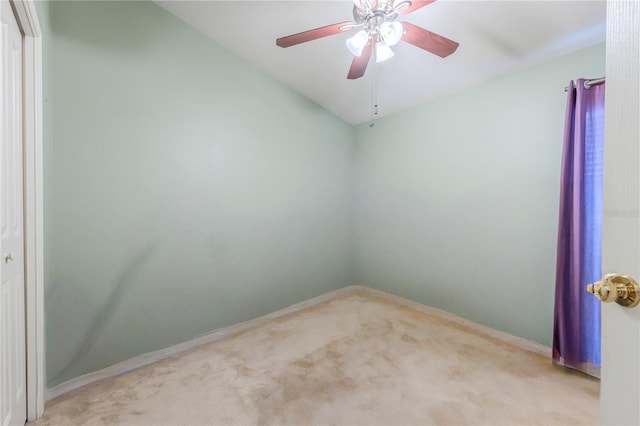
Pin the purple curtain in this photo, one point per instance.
(576, 330)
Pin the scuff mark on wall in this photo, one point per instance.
(123, 283)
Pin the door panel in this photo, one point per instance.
(620, 388)
(12, 304)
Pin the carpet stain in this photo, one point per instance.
(405, 337)
(361, 358)
(457, 373)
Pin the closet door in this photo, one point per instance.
(13, 407)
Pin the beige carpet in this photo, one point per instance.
(359, 358)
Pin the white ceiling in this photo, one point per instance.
(496, 37)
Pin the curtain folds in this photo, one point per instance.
(576, 331)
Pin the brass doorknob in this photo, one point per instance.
(622, 289)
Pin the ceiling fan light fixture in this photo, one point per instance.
(357, 43)
(383, 52)
(391, 32)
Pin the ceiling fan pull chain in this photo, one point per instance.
(373, 95)
(374, 91)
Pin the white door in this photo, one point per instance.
(620, 387)
(13, 407)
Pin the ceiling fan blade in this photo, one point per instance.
(359, 64)
(415, 5)
(314, 34)
(431, 42)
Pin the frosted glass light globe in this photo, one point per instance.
(391, 32)
(357, 43)
(383, 52)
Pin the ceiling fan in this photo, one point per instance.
(379, 30)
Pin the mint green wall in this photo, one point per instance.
(185, 189)
(457, 199)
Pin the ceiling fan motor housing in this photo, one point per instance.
(371, 17)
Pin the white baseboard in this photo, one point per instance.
(151, 357)
(221, 333)
(519, 342)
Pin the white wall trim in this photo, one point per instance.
(221, 333)
(27, 18)
(519, 342)
(151, 357)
